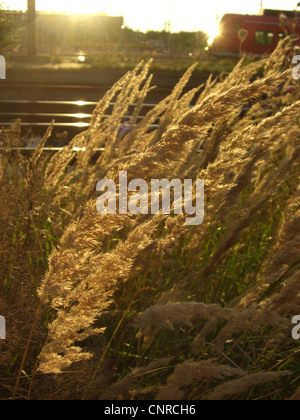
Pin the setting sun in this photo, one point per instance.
(212, 31)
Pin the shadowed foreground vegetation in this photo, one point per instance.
(146, 307)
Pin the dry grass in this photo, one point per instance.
(146, 307)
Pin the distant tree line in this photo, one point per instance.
(188, 41)
(11, 28)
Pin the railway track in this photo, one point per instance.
(37, 104)
(71, 117)
(92, 92)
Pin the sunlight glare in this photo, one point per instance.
(114, 7)
(212, 31)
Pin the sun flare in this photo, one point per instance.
(212, 31)
(177, 15)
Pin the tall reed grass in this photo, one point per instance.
(145, 307)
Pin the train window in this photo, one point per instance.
(281, 35)
(264, 38)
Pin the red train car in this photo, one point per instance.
(263, 31)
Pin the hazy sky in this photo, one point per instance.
(152, 14)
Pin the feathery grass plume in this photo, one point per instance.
(253, 70)
(250, 135)
(112, 272)
(190, 373)
(170, 315)
(265, 126)
(190, 126)
(249, 175)
(181, 107)
(137, 137)
(177, 92)
(279, 56)
(238, 386)
(79, 247)
(88, 298)
(33, 161)
(34, 181)
(216, 105)
(105, 102)
(64, 331)
(23, 221)
(194, 122)
(233, 323)
(233, 79)
(233, 157)
(288, 299)
(147, 161)
(60, 160)
(130, 141)
(210, 147)
(175, 105)
(267, 186)
(142, 96)
(240, 75)
(282, 257)
(127, 96)
(106, 133)
(66, 285)
(251, 320)
(124, 388)
(209, 84)
(88, 224)
(167, 109)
